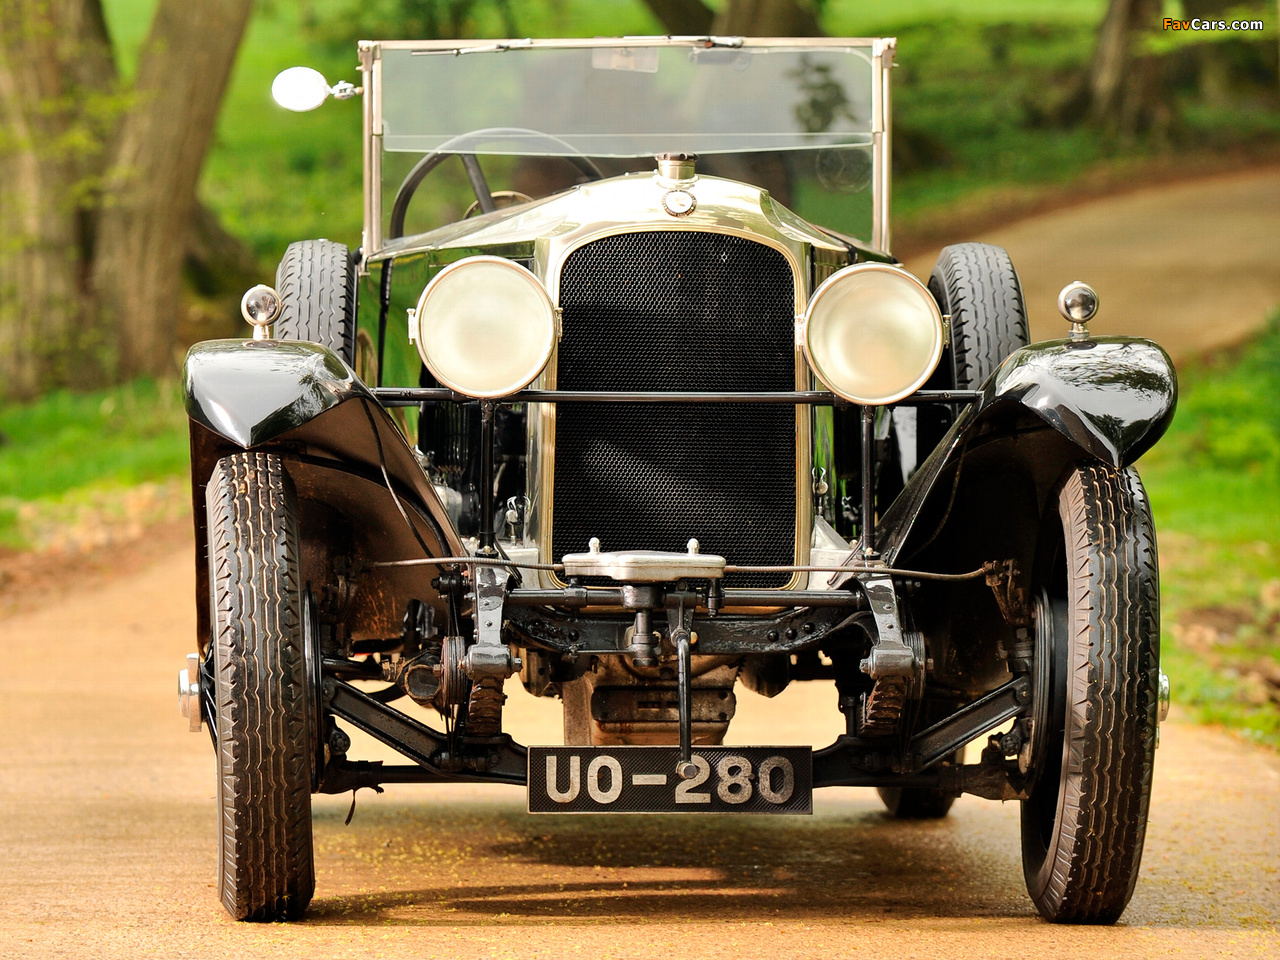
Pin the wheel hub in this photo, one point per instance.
(189, 693)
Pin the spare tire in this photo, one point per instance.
(975, 284)
(316, 281)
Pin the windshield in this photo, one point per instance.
(798, 117)
(620, 101)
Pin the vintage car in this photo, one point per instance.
(660, 420)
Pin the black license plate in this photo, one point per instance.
(644, 780)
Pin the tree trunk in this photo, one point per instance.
(56, 108)
(1124, 88)
(737, 18)
(1218, 73)
(218, 269)
(1110, 56)
(683, 17)
(766, 18)
(150, 194)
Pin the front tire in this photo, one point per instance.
(264, 716)
(1084, 824)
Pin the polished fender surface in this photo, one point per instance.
(1113, 396)
(250, 391)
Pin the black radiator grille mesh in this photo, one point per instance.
(677, 310)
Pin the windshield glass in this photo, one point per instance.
(620, 101)
(797, 118)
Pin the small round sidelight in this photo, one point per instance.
(1078, 303)
(484, 327)
(873, 333)
(260, 306)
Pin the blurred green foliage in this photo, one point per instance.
(273, 176)
(978, 102)
(1215, 490)
(976, 97)
(1219, 464)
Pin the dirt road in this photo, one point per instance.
(1193, 266)
(107, 839)
(107, 814)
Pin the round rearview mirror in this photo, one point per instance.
(300, 89)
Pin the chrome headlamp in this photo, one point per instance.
(484, 327)
(873, 333)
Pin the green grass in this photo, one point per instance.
(1215, 491)
(67, 446)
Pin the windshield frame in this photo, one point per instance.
(882, 55)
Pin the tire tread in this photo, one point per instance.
(1112, 699)
(977, 285)
(316, 281)
(265, 869)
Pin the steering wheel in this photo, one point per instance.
(478, 183)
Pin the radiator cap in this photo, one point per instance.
(644, 566)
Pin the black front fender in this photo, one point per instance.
(362, 493)
(252, 391)
(1111, 398)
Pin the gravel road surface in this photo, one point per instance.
(107, 832)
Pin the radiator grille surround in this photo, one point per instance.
(677, 310)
